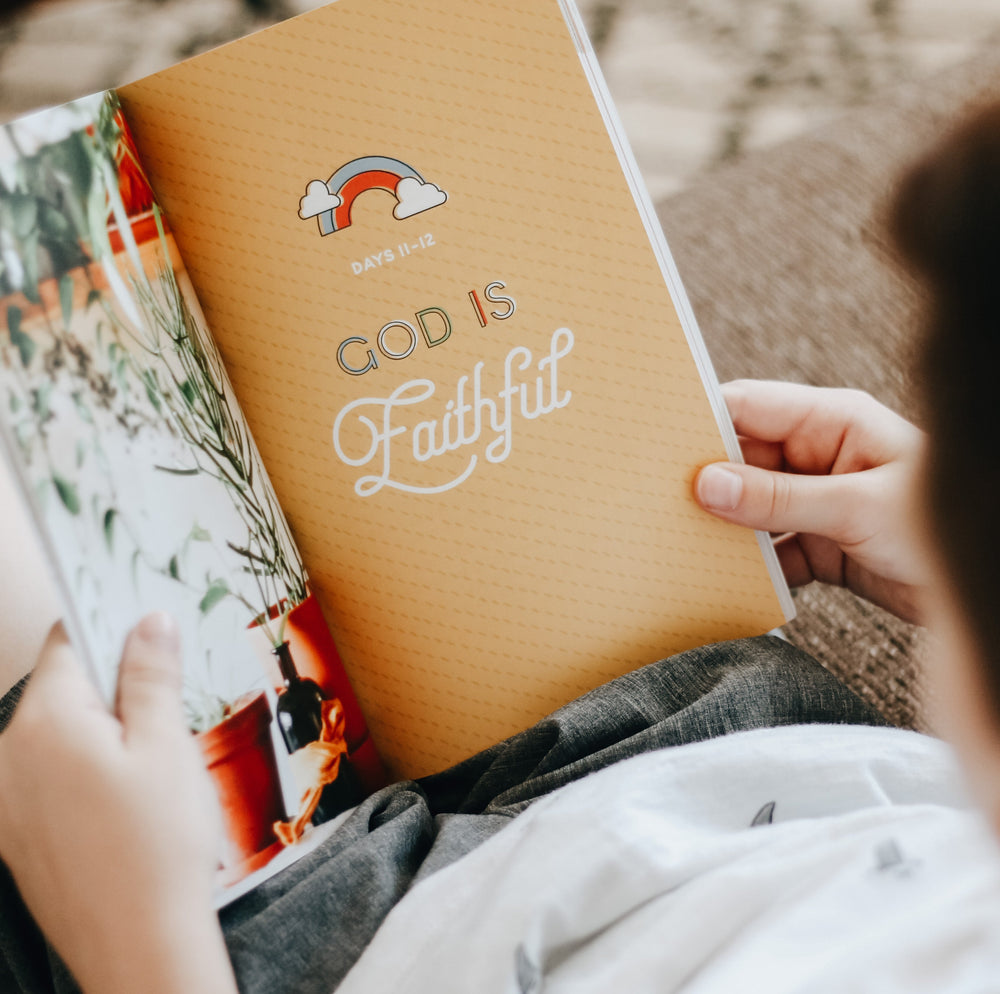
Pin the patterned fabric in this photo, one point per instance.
(302, 930)
(806, 859)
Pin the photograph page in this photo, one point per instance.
(148, 491)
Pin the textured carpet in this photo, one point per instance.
(786, 264)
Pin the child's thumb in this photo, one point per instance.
(777, 502)
(150, 676)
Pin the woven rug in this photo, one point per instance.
(786, 263)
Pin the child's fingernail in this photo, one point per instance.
(160, 629)
(719, 489)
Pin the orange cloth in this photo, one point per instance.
(316, 765)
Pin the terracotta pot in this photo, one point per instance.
(240, 759)
(317, 658)
(144, 230)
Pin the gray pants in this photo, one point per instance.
(302, 930)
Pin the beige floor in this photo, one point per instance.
(700, 82)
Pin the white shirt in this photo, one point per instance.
(874, 875)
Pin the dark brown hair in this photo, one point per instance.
(946, 223)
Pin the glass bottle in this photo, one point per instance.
(300, 718)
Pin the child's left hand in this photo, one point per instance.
(109, 824)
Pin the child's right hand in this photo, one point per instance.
(835, 473)
(109, 824)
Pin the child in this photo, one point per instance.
(859, 868)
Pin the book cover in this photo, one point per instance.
(463, 351)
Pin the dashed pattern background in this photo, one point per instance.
(530, 594)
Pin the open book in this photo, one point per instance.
(399, 254)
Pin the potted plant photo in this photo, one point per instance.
(239, 757)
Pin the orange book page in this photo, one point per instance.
(473, 393)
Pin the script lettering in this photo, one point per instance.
(529, 390)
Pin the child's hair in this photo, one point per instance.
(946, 223)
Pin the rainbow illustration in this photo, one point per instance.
(330, 201)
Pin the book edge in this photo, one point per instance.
(671, 276)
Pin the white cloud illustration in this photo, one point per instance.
(318, 200)
(415, 197)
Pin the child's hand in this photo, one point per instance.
(838, 471)
(109, 824)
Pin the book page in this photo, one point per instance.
(119, 423)
(451, 334)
